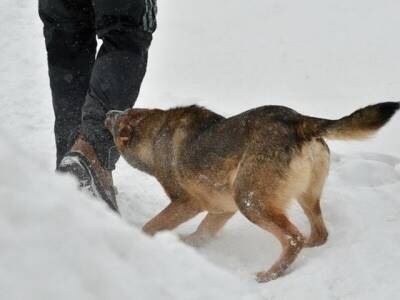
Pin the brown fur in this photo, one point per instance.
(255, 162)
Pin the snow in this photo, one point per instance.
(322, 58)
(57, 243)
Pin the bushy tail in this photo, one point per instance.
(361, 124)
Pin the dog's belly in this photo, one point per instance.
(213, 198)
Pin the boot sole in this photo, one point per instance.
(78, 165)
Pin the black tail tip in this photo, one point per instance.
(389, 106)
(388, 109)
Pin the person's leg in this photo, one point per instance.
(71, 47)
(125, 27)
(112, 82)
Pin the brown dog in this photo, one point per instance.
(255, 162)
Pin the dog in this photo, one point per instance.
(255, 162)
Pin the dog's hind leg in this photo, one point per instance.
(176, 213)
(262, 193)
(310, 200)
(291, 240)
(312, 209)
(207, 229)
(262, 212)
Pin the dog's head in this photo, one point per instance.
(125, 126)
(134, 131)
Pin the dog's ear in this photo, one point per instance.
(128, 126)
(136, 115)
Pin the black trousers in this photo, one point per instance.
(85, 86)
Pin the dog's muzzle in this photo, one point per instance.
(111, 118)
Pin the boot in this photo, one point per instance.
(82, 162)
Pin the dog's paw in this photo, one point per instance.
(194, 240)
(263, 277)
(316, 240)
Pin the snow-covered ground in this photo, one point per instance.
(58, 243)
(324, 58)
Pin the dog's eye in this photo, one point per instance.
(121, 126)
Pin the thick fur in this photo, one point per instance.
(255, 162)
(360, 125)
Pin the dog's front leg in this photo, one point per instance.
(176, 213)
(207, 229)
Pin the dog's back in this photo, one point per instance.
(272, 135)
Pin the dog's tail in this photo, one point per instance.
(360, 125)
